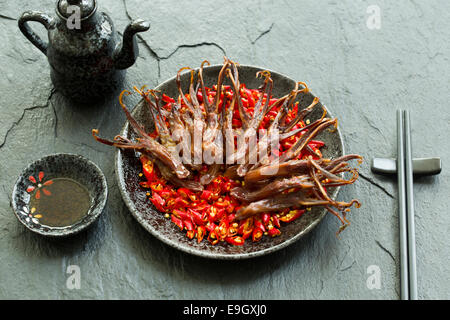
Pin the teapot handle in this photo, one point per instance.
(36, 16)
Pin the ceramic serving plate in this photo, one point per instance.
(128, 168)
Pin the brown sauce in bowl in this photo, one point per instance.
(62, 203)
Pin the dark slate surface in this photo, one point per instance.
(362, 75)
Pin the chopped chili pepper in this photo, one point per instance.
(158, 202)
(232, 229)
(181, 214)
(166, 193)
(273, 232)
(276, 221)
(246, 227)
(201, 231)
(197, 217)
(259, 225)
(213, 238)
(184, 192)
(265, 218)
(178, 222)
(236, 240)
(221, 204)
(257, 234)
(292, 215)
(156, 186)
(222, 229)
(220, 213)
(190, 234)
(231, 217)
(180, 202)
(206, 195)
(167, 99)
(188, 225)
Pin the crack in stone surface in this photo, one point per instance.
(204, 43)
(17, 122)
(146, 45)
(263, 33)
(55, 130)
(385, 249)
(2, 16)
(376, 185)
(348, 267)
(159, 58)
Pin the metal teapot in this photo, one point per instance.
(86, 55)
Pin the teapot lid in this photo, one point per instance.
(87, 8)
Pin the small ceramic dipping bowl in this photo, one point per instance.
(42, 182)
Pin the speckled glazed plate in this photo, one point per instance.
(128, 168)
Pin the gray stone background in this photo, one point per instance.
(363, 75)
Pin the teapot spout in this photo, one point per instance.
(127, 51)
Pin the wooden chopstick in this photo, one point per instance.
(404, 278)
(410, 208)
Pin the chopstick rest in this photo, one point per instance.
(421, 166)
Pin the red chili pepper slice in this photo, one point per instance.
(167, 99)
(257, 234)
(259, 225)
(158, 202)
(221, 204)
(184, 192)
(180, 202)
(232, 230)
(156, 186)
(246, 228)
(220, 214)
(181, 214)
(231, 217)
(210, 226)
(236, 240)
(276, 221)
(265, 218)
(215, 214)
(190, 234)
(178, 222)
(147, 167)
(222, 229)
(292, 215)
(197, 217)
(213, 238)
(201, 231)
(166, 193)
(206, 195)
(188, 224)
(273, 232)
